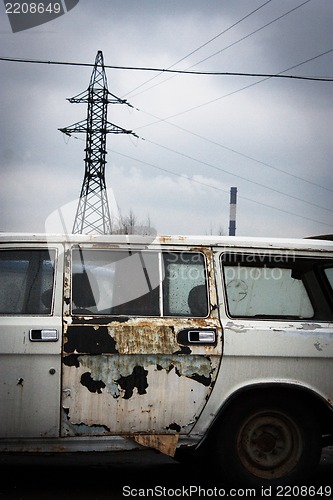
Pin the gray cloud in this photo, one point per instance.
(217, 132)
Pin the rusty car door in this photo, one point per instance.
(142, 340)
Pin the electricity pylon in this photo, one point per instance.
(93, 213)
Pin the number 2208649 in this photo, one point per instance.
(33, 8)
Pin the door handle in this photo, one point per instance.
(44, 335)
(201, 336)
(205, 336)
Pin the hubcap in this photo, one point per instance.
(269, 444)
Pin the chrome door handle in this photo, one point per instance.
(201, 336)
(44, 335)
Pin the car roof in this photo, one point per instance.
(322, 242)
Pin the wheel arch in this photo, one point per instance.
(318, 405)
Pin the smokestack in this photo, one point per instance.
(232, 216)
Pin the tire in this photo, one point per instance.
(263, 442)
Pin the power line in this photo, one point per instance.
(248, 157)
(187, 72)
(232, 44)
(230, 149)
(254, 32)
(220, 189)
(197, 49)
(165, 120)
(294, 176)
(264, 78)
(205, 184)
(238, 176)
(213, 166)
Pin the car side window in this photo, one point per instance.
(118, 282)
(138, 283)
(273, 286)
(259, 291)
(26, 281)
(184, 286)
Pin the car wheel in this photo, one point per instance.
(267, 442)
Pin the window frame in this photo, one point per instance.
(161, 275)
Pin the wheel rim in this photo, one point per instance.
(269, 444)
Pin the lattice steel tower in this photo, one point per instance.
(93, 213)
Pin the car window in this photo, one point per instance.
(184, 286)
(329, 275)
(115, 282)
(138, 283)
(26, 281)
(262, 291)
(275, 286)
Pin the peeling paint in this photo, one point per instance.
(114, 371)
(137, 379)
(309, 326)
(174, 427)
(90, 339)
(91, 384)
(137, 391)
(236, 327)
(201, 379)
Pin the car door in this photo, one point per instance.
(30, 339)
(142, 340)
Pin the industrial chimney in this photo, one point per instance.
(232, 216)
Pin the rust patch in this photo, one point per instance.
(164, 443)
(165, 239)
(143, 337)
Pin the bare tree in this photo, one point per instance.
(128, 224)
(215, 232)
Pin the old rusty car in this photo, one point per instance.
(221, 345)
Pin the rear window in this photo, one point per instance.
(261, 286)
(139, 283)
(26, 281)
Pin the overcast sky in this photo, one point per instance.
(199, 135)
